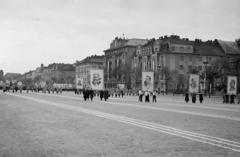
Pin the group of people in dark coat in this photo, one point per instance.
(226, 98)
(88, 94)
(104, 94)
(194, 97)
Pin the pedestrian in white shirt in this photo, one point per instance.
(154, 96)
(140, 95)
(146, 96)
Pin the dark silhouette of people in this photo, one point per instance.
(101, 94)
(186, 97)
(193, 97)
(232, 99)
(201, 97)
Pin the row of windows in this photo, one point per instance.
(181, 49)
(116, 51)
(181, 58)
(181, 67)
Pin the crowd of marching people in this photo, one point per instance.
(89, 93)
(33, 88)
(229, 98)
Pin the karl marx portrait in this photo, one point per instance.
(96, 79)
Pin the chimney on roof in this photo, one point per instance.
(41, 65)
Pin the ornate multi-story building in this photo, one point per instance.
(117, 60)
(1, 75)
(84, 66)
(176, 54)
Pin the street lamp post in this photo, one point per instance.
(205, 78)
(159, 70)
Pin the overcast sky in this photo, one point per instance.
(63, 31)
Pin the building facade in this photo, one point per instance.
(117, 61)
(1, 75)
(84, 66)
(177, 54)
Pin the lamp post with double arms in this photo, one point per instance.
(205, 77)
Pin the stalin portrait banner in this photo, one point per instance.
(96, 79)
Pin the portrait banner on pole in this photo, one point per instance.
(232, 85)
(147, 81)
(96, 79)
(193, 84)
(79, 83)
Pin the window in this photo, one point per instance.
(200, 59)
(181, 49)
(209, 59)
(189, 49)
(181, 58)
(173, 48)
(189, 58)
(181, 67)
(189, 67)
(200, 68)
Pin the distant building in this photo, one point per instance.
(27, 75)
(1, 75)
(176, 54)
(62, 73)
(119, 56)
(55, 73)
(84, 66)
(12, 76)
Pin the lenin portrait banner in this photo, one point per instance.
(232, 85)
(147, 81)
(193, 84)
(96, 79)
(79, 83)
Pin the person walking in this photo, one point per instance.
(154, 96)
(91, 94)
(224, 98)
(200, 97)
(140, 95)
(146, 96)
(193, 97)
(232, 99)
(238, 98)
(186, 97)
(101, 94)
(105, 94)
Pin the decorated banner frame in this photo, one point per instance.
(97, 79)
(147, 81)
(193, 83)
(79, 83)
(232, 85)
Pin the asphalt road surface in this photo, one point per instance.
(64, 125)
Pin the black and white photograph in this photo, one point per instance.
(119, 78)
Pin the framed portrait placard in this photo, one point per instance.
(79, 83)
(147, 81)
(96, 79)
(232, 85)
(193, 83)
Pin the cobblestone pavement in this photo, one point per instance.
(54, 125)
